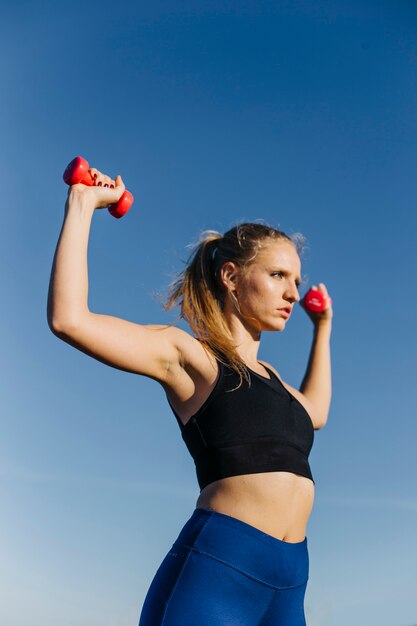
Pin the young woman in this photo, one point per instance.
(241, 559)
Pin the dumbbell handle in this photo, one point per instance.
(78, 171)
(316, 301)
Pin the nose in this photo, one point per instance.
(292, 294)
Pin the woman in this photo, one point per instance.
(241, 559)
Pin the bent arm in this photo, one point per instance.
(316, 385)
(153, 351)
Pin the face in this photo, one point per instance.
(268, 288)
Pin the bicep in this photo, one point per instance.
(149, 350)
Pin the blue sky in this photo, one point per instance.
(302, 114)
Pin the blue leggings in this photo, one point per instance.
(224, 572)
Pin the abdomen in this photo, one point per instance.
(277, 503)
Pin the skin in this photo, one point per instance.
(278, 503)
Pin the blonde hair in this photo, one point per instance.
(198, 290)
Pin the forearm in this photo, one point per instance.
(68, 287)
(317, 385)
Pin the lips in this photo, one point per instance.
(286, 311)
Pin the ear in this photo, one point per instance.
(228, 275)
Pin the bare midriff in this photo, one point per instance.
(277, 503)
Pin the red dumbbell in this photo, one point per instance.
(78, 172)
(316, 301)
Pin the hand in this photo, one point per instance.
(322, 317)
(105, 191)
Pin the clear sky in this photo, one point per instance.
(299, 113)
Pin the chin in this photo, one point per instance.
(276, 328)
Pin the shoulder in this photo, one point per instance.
(269, 366)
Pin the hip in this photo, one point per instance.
(221, 570)
(247, 549)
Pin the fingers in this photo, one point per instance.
(103, 197)
(119, 181)
(106, 190)
(120, 186)
(322, 287)
(101, 180)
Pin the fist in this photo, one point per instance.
(318, 304)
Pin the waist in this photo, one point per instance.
(245, 548)
(277, 503)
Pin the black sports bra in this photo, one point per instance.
(249, 430)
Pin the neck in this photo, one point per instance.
(246, 338)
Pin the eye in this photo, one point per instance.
(280, 274)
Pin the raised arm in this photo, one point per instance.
(316, 389)
(153, 351)
(316, 385)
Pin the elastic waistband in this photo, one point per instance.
(250, 457)
(271, 561)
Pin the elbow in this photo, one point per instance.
(319, 422)
(60, 328)
(54, 324)
(319, 412)
(319, 416)
(61, 324)
(56, 329)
